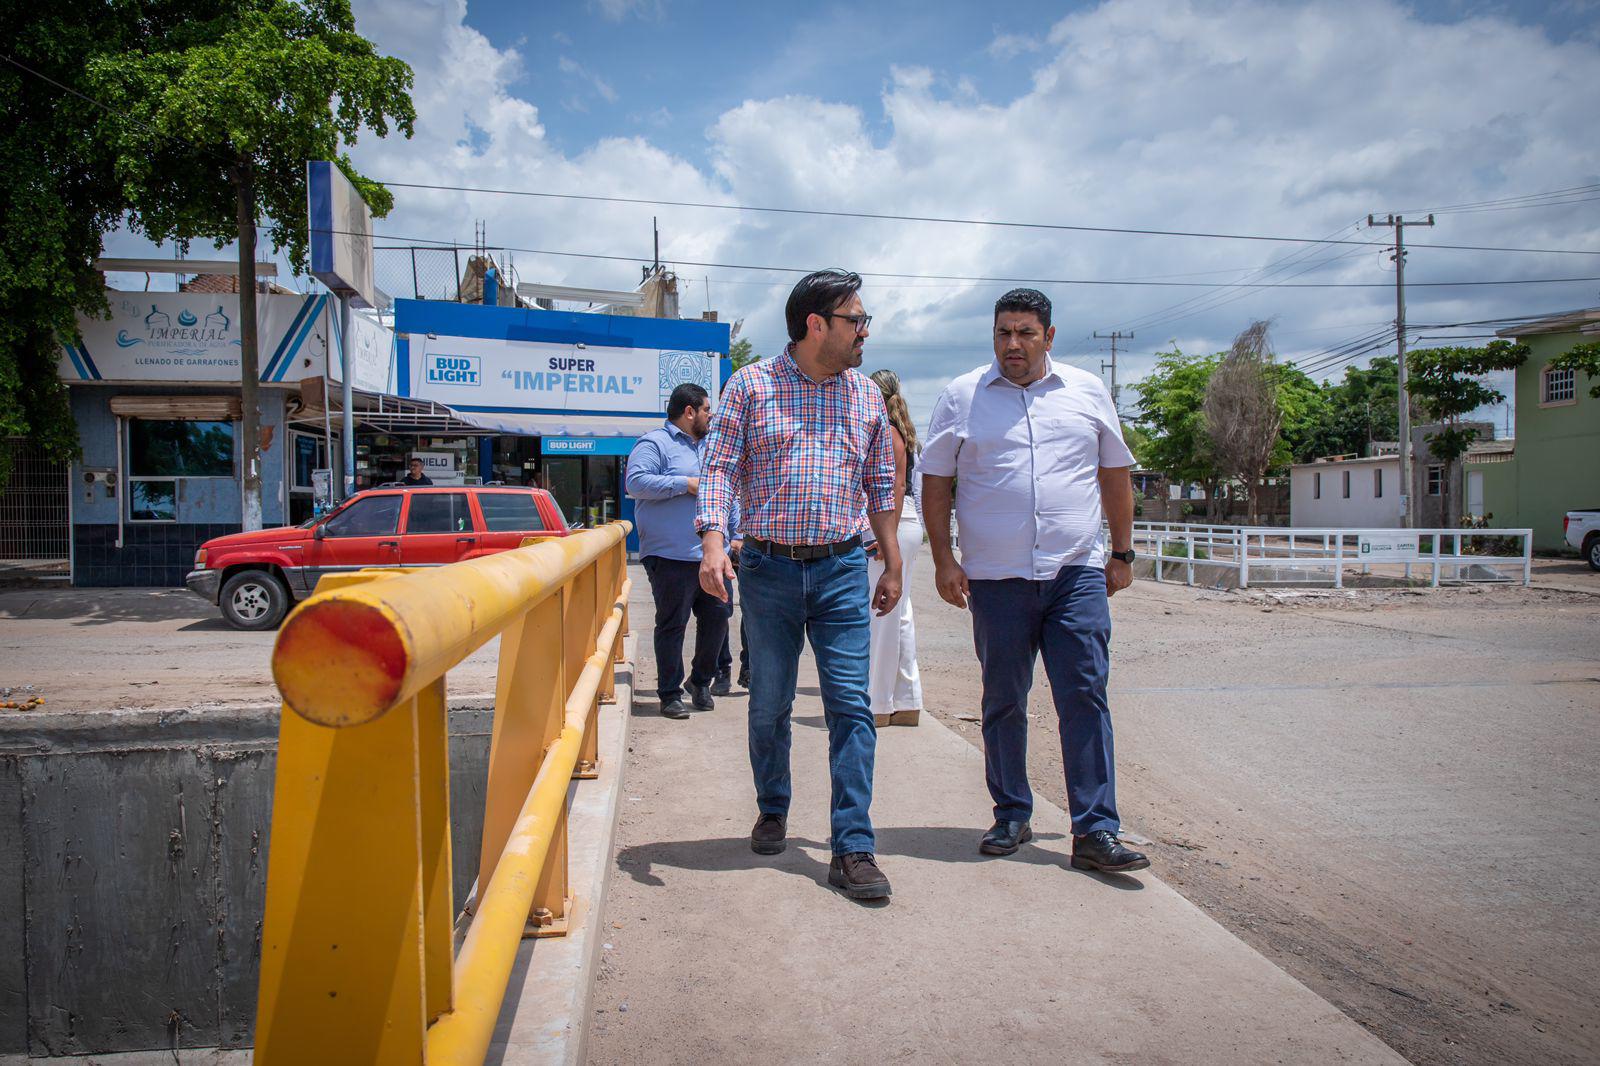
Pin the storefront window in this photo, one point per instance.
(153, 501)
(310, 454)
(160, 451)
(179, 448)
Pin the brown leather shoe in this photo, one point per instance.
(904, 717)
(767, 838)
(857, 876)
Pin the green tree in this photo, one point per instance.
(1305, 409)
(211, 127)
(1171, 412)
(742, 352)
(1584, 357)
(61, 195)
(1445, 384)
(1356, 412)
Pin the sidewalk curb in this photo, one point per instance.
(544, 1019)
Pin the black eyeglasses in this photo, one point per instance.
(861, 322)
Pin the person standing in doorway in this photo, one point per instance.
(1034, 454)
(415, 475)
(894, 682)
(803, 442)
(664, 477)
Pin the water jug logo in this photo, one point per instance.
(186, 318)
(453, 370)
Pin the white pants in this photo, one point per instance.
(892, 680)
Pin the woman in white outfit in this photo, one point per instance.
(893, 681)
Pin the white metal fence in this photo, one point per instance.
(1274, 555)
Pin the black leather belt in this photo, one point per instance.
(801, 552)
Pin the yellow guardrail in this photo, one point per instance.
(357, 952)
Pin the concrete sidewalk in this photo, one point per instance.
(715, 954)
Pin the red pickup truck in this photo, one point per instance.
(256, 577)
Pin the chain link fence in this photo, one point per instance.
(34, 525)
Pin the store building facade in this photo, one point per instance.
(480, 393)
(559, 397)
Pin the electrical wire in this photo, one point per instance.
(1126, 230)
(699, 264)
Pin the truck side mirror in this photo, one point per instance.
(319, 531)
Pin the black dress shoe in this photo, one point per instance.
(767, 836)
(721, 686)
(1101, 850)
(857, 876)
(1005, 837)
(674, 709)
(744, 678)
(700, 697)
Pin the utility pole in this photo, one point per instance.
(1399, 224)
(1114, 336)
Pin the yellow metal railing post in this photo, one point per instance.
(529, 699)
(344, 950)
(357, 941)
(438, 905)
(581, 629)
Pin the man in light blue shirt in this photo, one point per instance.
(664, 478)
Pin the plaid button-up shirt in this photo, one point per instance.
(807, 460)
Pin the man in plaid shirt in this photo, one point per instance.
(803, 440)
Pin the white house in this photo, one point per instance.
(1339, 493)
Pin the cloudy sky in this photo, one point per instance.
(1258, 118)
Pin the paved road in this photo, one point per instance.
(96, 649)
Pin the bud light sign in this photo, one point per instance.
(453, 370)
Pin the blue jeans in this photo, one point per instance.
(1069, 619)
(784, 602)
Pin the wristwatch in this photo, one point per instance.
(1125, 557)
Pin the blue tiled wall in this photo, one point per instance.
(157, 553)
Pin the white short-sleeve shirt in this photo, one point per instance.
(1026, 463)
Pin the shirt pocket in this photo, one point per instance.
(1069, 443)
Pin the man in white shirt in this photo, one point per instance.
(1033, 452)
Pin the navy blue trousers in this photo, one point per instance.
(1069, 620)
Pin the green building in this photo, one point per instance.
(1555, 467)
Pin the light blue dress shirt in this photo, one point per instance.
(659, 469)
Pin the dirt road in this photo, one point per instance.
(1390, 794)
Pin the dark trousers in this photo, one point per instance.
(675, 584)
(1069, 620)
(725, 656)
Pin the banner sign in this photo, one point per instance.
(340, 228)
(194, 337)
(586, 445)
(371, 353)
(439, 466)
(1388, 547)
(544, 376)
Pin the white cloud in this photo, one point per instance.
(617, 10)
(1252, 117)
(1011, 45)
(573, 68)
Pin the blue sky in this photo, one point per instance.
(666, 69)
(1232, 116)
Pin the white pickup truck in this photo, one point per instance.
(1583, 533)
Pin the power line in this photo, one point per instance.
(1003, 280)
(1128, 230)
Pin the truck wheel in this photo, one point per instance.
(254, 599)
(1591, 551)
